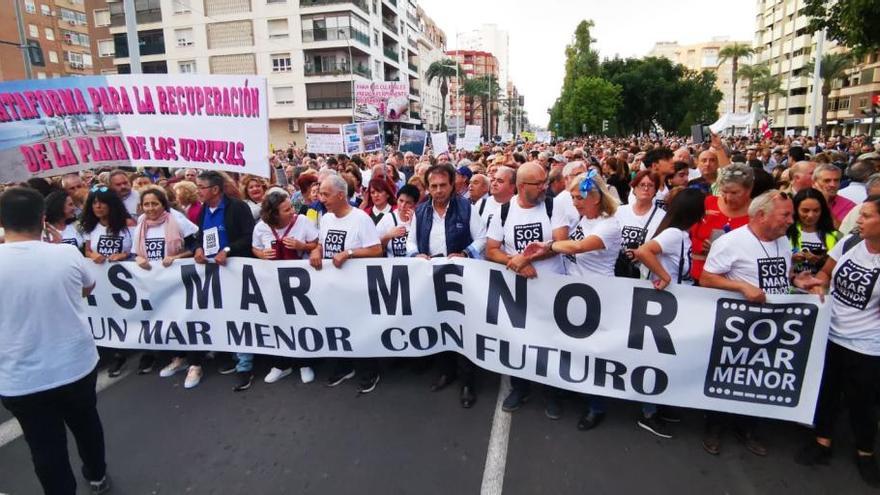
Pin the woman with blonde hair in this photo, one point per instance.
(188, 199)
(253, 189)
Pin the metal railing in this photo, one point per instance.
(334, 68)
(318, 3)
(392, 54)
(390, 25)
(334, 34)
(328, 103)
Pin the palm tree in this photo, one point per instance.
(766, 86)
(443, 70)
(734, 52)
(834, 66)
(490, 94)
(752, 72)
(471, 89)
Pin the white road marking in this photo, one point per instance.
(10, 430)
(496, 455)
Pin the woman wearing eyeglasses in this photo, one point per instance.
(638, 222)
(281, 234)
(162, 235)
(107, 238)
(593, 244)
(725, 212)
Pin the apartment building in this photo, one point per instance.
(786, 45)
(475, 64)
(706, 56)
(489, 38)
(57, 36)
(432, 48)
(311, 51)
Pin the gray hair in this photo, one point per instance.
(509, 171)
(569, 169)
(544, 155)
(337, 183)
(872, 181)
(763, 203)
(825, 167)
(737, 173)
(464, 162)
(859, 171)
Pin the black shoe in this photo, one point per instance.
(115, 368)
(100, 487)
(340, 377)
(590, 420)
(655, 425)
(514, 400)
(553, 408)
(868, 470)
(245, 380)
(468, 397)
(669, 414)
(442, 382)
(813, 453)
(368, 384)
(227, 369)
(145, 366)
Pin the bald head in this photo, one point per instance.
(802, 175)
(530, 172)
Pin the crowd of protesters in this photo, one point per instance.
(659, 208)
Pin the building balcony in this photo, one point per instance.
(335, 34)
(335, 69)
(413, 67)
(390, 25)
(413, 19)
(392, 54)
(392, 2)
(802, 41)
(415, 115)
(361, 4)
(328, 103)
(796, 101)
(413, 91)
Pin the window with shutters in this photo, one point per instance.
(30, 7)
(53, 56)
(184, 37)
(277, 29)
(221, 7)
(243, 63)
(186, 66)
(283, 95)
(50, 33)
(182, 6)
(230, 34)
(102, 17)
(106, 48)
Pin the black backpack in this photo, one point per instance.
(505, 210)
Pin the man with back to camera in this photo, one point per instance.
(48, 359)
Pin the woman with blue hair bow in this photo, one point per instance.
(592, 248)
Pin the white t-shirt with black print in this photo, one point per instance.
(855, 299)
(107, 244)
(353, 231)
(524, 226)
(740, 255)
(396, 246)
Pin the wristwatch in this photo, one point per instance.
(350, 253)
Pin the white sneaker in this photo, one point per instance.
(193, 377)
(276, 374)
(306, 374)
(176, 364)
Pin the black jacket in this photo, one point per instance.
(239, 222)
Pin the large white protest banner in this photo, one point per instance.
(615, 337)
(324, 138)
(57, 126)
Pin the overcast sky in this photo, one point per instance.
(540, 29)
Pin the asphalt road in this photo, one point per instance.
(402, 439)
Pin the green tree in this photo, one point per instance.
(852, 23)
(834, 66)
(765, 87)
(733, 53)
(442, 71)
(590, 101)
(750, 73)
(581, 60)
(485, 90)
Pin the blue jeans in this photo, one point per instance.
(244, 362)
